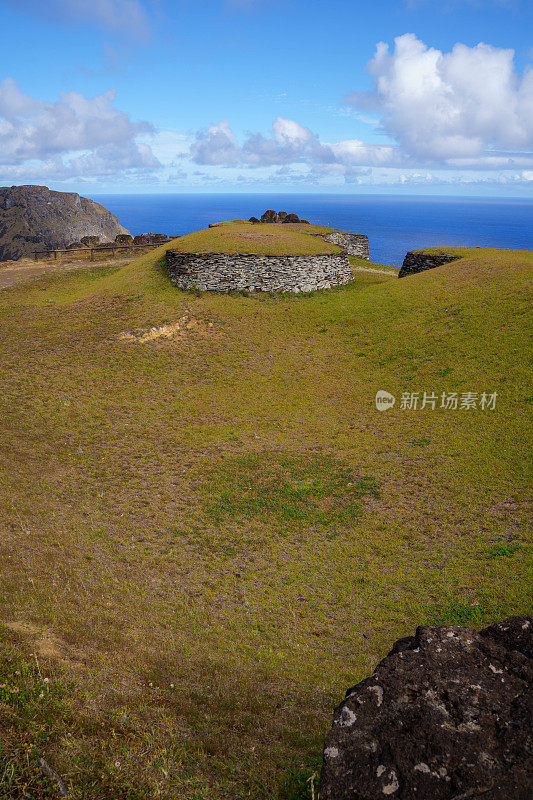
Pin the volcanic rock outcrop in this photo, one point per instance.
(35, 218)
(446, 716)
(271, 216)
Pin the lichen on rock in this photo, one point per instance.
(446, 715)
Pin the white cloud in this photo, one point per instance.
(217, 145)
(290, 143)
(353, 152)
(76, 135)
(123, 15)
(453, 105)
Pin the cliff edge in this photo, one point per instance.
(36, 218)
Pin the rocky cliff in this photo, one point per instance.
(36, 218)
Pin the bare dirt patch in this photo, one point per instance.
(46, 644)
(184, 325)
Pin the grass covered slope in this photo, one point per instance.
(209, 531)
(244, 237)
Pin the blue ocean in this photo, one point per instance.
(394, 225)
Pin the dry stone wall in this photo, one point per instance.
(356, 244)
(418, 262)
(252, 272)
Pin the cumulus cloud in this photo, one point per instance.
(76, 135)
(452, 105)
(217, 145)
(464, 110)
(123, 15)
(290, 143)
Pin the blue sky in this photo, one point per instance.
(394, 96)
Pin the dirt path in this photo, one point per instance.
(13, 272)
(373, 269)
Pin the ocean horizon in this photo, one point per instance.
(394, 225)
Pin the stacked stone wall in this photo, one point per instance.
(356, 244)
(418, 262)
(253, 272)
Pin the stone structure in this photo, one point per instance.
(253, 272)
(34, 218)
(124, 238)
(418, 262)
(90, 241)
(446, 716)
(356, 244)
(151, 238)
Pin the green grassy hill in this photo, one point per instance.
(244, 237)
(209, 531)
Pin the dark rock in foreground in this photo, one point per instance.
(418, 262)
(34, 218)
(446, 716)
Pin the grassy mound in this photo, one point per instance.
(243, 237)
(209, 531)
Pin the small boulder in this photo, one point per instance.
(282, 215)
(291, 218)
(254, 220)
(304, 222)
(90, 241)
(155, 238)
(269, 216)
(123, 238)
(447, 714)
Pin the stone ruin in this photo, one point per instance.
(419, 262)
(255, 272)
(121, 240)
